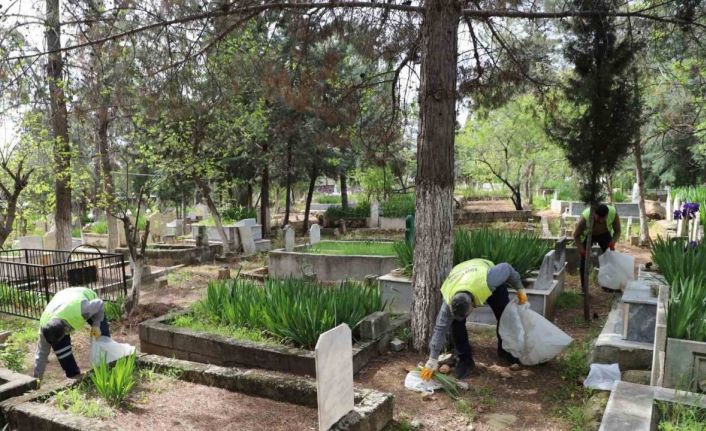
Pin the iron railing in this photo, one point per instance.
(30, 277)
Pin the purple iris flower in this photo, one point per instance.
(677, 214)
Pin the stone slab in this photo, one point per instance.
(15, 384)
(334, 375)
(685, 365)
(610, 347)
(396, 292)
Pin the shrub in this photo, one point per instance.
(115, 384)
(235, 214)
(694, 194)
(405, 256)
(398, 206)
(361, 210)
(295, 311)
(99, 227)
(328, 199)
(114, 309)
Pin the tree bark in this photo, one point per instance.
(11, 196)
(287, 202)
(206, 190)
(587, 267)
(107, 178)
(433, 256)
(60, 127)
(344, 190)
(313, 175)
(527, 183)
(137, 262)
(265, 196)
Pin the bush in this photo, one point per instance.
(328, 199)
(398, 206)
(99, 227)
(114, 384)
(361, 210)
(405, 256)
(295, 311)
(235, 214)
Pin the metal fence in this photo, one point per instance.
(30, 277)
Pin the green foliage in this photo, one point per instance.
(24, 300)
(13, 356)
(398, 206)
(354, 248)
(694, 194)
(619, 196)
(676, 259)
(524, 251)
(193, 321)
(99, 227)
(235, 214)
(361, 210)
(405, 256)
(568, 299)
(474, 194)
(114, 309)
(115, 384)
(328, 199)
(75, 232)
(681, 417)
(76, 401)
(687, 299)
(295, 311)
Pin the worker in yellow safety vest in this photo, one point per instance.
(472, 283)
(605, 233)
(68, 311)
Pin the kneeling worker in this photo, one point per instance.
(68, 311)
(471, 284)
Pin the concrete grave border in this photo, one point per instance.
(328, 267)
(158, 337)
(372, 411)
(15, 384)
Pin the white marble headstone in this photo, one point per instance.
(375, 214)
(31, 242)
(670, 210)
(314, 234)
(334, 375)
(545, 278)
(629, 229)
(201, 210)
(289, 238)
(247, 240)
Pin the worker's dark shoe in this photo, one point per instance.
(507, 356)
(464, 370)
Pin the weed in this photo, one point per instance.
(400, 425)
(404, 333)
(13, 356)
(681, 417)
(179, 277)
(114, 309)
(576, 417)
(114, 385)
(353, 248)
(568, 299)
(464, 408)
(192, 321)
(76, 401)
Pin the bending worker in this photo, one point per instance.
(471, 284)
(68, 311)
(605, 233)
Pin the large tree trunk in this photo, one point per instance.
(313, 175)
(10, 194)
(433, 256)
(288, 198)
(344, 190)
(587, 267)
(107, 178)
(206, 190)
(527, 183)
(60, 127)
(137, 262)
(265, 196)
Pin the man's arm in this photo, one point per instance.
(503, 273)
(580, 229)
(93, 310)
(616, 228)
(441, 328)
(41, 356)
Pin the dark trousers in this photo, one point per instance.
(603, 240)
(63, 352)
(497, 302)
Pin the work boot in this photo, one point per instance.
(507, 356)
(464, 369)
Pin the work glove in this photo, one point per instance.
(611, 245)
(95, 332)
(429, 368)
(521, 296)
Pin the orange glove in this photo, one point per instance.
(611, 245)
(521, 296)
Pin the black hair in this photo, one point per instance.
(461, 305)
(602, 210)
(54, 331)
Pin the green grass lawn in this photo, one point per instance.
(368, 248)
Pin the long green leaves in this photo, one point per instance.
(405, 256)
(353, 248)
(296, 311)
(694, 194)
(684, 268)
(114, 384)
(524, 251)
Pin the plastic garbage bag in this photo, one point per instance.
(602, 376)
(414, 382)
(615, 269)
(105, 346)
(530, 337)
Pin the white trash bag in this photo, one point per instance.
(530, 337)
(105, 346)
(414, 382)
(615, 269)
(602, 376)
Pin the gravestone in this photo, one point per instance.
(629, 229)
(375, 214)
(545, 278)
(254, 227)
(670, 210)
(175, 227)
(50, 240)
(680, 227)
(635, 193)
(694, 232)
(247, 240)
(31, 242)
(677, 204)
(289, 238)
(334, 375)
(201, 210)
(560, 254)
(314, 234)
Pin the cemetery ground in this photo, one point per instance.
(547, 397)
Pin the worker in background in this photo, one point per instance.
(68, 311)
(471, 284)
(605, 233)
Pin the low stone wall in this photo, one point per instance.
(372, 410)
(327, 267)
(171, 255)
(461, 216)
(158, 337)
(391, 223)
(14, 384)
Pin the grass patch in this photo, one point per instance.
(13, 356)
(328, 199)
(99, 227)
(81, 401)
(681, 417)
(178, 277)
(345, 248)
(361, 210)
(398, 206)
(568, 299)
(195, 323)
